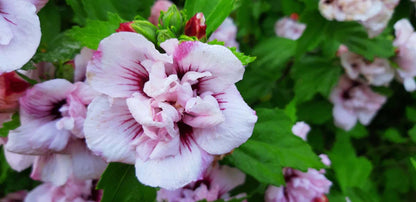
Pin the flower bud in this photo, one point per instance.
(196, 26)
(163, 35)
(172, 19)
(145, 28)
(125, 27)
(323, 198)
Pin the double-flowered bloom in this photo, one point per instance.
(377, 72)
(354, 100)
(168, 114)
(372, 14)
(52, 115)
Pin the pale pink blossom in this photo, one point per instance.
(38, 3)
(226, 32)
(289, 28)
(350, 10)
(406, 57)
(354, 100)
(215, 184)
(377, 72)
(81, 62)
(17, 162)
(160, 5)
(372, 14)
(300, 186)
(301, 129)
(325, 160)
(166, 113)
(15, 196)
(52, 115)
(19, 33)
(12, 87)
(72, 190)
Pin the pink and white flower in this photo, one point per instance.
(300, 186)
(373, 14)
(160, 5)
(52, 115)
(289, 28)
(377, 73)
(301, 129)
(215, 184)
(72, 190)
(166, 113)
(406, 57)
(226, 32)
(19, 33)
(354, 101)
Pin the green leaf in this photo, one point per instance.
(98, 10)
(290, 110)
(120, 183)
(412, 133)
(10, 125)
(350, 171)
(315, 111)
(50, 22)
(355, 37)
(215, 11)
(314, 33)
(411, 114)
(273, 147)
(314, 75)
(393, 135)
(413, 161)
(273, 53)
(60, 50)
(95, 30)
(245, 59)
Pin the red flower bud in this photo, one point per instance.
(13, 83)
(125, 27)
(196, 26)
(294, 16)
(323, 198)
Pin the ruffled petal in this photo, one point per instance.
(224, 66)
(345, 119)
(234, 131)
(110, 129)
(55, 168)
(39, 101)
(203, 112)
(18, 162)
(37, 138)
(23, 23)
(85, 164)
(175, 171)
(227, 178)
(120, 65)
